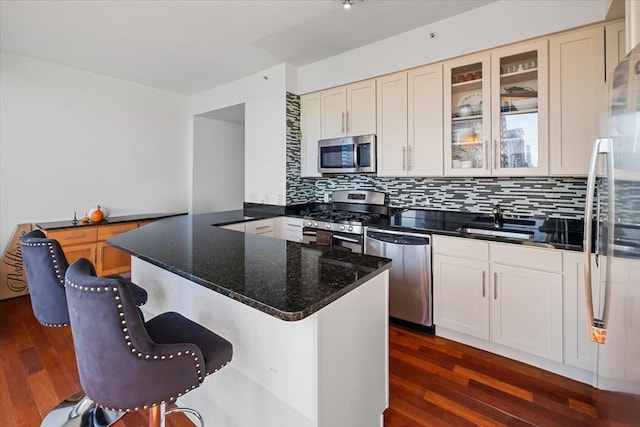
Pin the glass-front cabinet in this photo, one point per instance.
(467, 106)
(498, 120)
(519, 124)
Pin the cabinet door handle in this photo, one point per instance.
(404, 158)
(343, 122)
(347, 121)
(496, 154)
(75, 236)
(484, 276)
(486, 154)
(495, 286)
(262, 227)
(409, 154)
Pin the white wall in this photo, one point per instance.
(70, 139)
(264, 96)
(218, 165)
(495, 24)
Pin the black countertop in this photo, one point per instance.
(56, 225)
(559, 233)
(287, 280)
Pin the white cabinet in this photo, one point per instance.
(310, 125)
(265, 227)
(460, 293)
(577, 89)
(526, 310)
(391, 92)
(348, 110)
(497, 112)
(579, 350)
(460, 285)
(291, 229)
(236, 227)
(490, 291)
(409, 124)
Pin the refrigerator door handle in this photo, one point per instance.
(598, 327)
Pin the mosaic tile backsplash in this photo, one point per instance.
(540, 196)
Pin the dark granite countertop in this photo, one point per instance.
(55, 225)
(287, 280)
(559, 233)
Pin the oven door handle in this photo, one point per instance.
(356, 159)
(309, 233)
(345, 239)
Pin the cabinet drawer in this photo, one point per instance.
(527, 257)
(106, 231)
(74, 236)
(261, 226)
(461, 247)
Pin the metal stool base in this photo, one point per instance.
(157, 415)
(80, 411)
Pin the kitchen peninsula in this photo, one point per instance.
(309, 325)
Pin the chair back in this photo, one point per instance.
(45, 265)
(120, 367)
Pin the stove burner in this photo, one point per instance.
(344, 216)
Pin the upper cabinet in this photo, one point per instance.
(310, 125)
(497, 108)
(520, 110)
(348, 110)
(577, 94)
(410, 122)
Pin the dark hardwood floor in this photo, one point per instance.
(433, 382)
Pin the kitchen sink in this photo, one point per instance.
(507, 234)
(506, 221)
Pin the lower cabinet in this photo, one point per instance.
(264, 227)
(291, 229)
(460, 295)
(481, 291)
(89, 241)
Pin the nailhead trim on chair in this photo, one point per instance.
(141, 355)
(54, 260)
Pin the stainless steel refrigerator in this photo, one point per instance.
(612, 249)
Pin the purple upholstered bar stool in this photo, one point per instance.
(45, 265)
(136, 365)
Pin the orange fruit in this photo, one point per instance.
(97, 216)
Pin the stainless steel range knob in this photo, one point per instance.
(310, 223)
(351, 228)
(315, 224)
(341, 227)
(328, 226)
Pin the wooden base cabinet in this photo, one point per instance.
(89, 242)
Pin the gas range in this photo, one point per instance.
(350, 212)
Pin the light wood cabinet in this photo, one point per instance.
(348, 110)
(577, 91)
(235, 227)
(409, 106)
(89, 242)
(310, 126)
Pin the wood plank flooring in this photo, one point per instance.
(433, 382)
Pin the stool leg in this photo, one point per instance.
(156, 416)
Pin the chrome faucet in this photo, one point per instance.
(496, 213)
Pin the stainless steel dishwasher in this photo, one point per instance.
(410, 296)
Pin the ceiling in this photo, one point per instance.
(191, 46)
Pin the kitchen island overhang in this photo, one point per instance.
(309, 326)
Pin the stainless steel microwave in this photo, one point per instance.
(347, 155)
